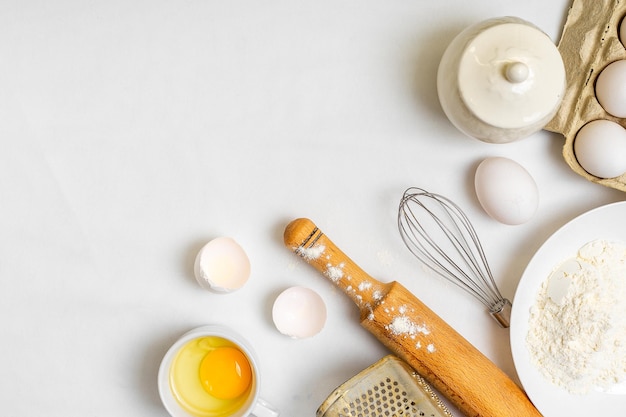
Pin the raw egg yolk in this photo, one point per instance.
(225, 373)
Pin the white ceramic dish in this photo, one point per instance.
(606, 222)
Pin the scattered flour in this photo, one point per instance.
(365, 285)
(312, 253)
(335, 273)
(402, 325)
(579, 342)
(385, 257)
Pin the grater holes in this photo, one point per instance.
(384, 399)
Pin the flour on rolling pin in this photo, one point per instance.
(590, 42)
(400, 324)
(413, 332)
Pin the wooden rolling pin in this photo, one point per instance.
(414, 332)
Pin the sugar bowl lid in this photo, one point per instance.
(511, 75)
(501, 79)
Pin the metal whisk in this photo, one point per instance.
(440, 235)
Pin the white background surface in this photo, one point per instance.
(135, 131)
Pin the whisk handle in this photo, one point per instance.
(414, 332)
(308, 241)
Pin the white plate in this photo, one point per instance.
(606, 222)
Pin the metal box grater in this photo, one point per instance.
(388, 388)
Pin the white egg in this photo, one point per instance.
(611, 88)
(600, 148)
(506, 191)
(222, 265)
(299, 312)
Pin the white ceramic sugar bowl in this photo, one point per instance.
(501, 80)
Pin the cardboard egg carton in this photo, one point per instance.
(589, 42)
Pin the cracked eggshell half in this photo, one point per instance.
(501, 80)
(222, 266)
(299, 312)
(506, 191)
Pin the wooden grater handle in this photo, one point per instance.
(414, 332)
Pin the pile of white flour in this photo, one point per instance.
(579, 341)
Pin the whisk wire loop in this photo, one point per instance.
(439, 233)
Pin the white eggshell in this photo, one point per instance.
(611, 88)
(506, 191)
(600, 148)
(222, 265)
(299, 312)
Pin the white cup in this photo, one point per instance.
(253, 406)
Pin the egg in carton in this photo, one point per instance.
(590, 43)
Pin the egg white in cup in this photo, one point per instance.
(211, 371)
